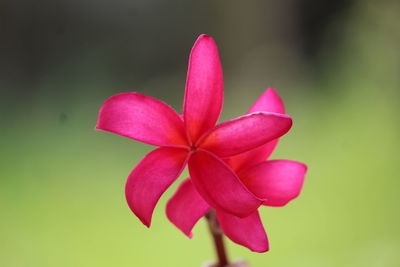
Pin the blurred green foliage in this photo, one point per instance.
(61, 185)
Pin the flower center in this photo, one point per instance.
(193, 148)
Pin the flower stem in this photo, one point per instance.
(217, 235)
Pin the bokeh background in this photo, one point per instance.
(336, 65)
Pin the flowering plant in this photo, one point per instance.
(227, 167)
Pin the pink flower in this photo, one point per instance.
(192, 138)
(275, 181)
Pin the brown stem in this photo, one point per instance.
(217, 235)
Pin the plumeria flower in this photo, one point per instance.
(275, 181)
(191, 139)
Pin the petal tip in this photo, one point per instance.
(189, 234)
(147, 224)
(204, 36)
(260, 247)
(304, 166)
(145, 221)
(269, 101)
(262, 250)
(271, 90)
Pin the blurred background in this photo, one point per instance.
(336, 64)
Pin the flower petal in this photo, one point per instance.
(186, 207)
(277, 181)
(248, 231)
(267, 102)
(245, 133)
(142, 118)
(151, 177)
(204, 88)
(220, 186)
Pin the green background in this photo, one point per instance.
(62, 183)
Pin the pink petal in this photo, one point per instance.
(186, 207)
(204, 88)
(277, 181)
(245, 133)
(142, 118)
(253, 156)
(220, 186)
(267, 102)
(248, 231)
(151, 177)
